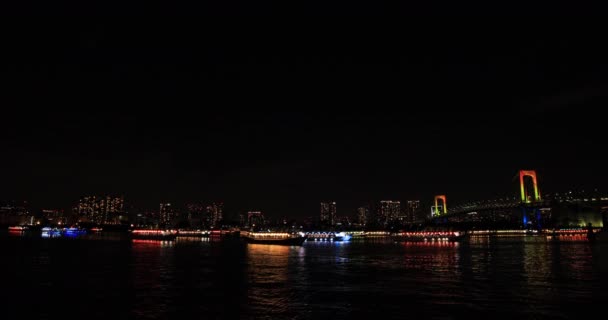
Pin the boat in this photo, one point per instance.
(341, 236)
(18, 228)
(48, 232)
(328, 236)
(280, 238)
(73, 232)
(429, 236)
(193, 233)
(153, 234)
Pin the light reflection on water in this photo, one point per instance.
(192, 239)
(488, 276)
(268, 276)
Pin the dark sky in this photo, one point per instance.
(279, 117)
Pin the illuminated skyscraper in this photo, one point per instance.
(215, 214)
(100, 209)
(167, 215)
(388, 211)
(412, 212)
(328, 213)
(362, 215)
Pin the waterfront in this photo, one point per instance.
(201, 278)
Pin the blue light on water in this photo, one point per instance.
(73, 232)
(345, 237)
(76, 231)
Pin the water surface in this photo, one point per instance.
(202, 279)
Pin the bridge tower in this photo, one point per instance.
(529, 206)
(522, 186)
(445, 205)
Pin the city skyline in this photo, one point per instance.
(165, 118)
(95, 210)
(113, 210)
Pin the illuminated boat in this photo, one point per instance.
(281, 238)
(429, 236)
(73, 232)
(17, 228)
(193, 233)
(48, 232)
(153, 234)
(327, 236)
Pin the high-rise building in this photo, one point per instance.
(146, 218)
(255, 219)
(242, 220)
(54, 216)
(167, 214)
(100, 209)
(362, 215)
(328, 213)
(215, 214)
(195, 213)
(343, 221)
(412, 211)
(309, 223)
(388, 211)
(15, 213)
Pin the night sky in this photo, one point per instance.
(278, 118)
